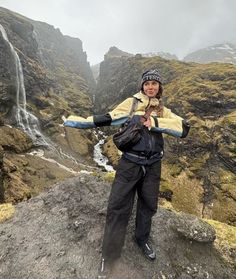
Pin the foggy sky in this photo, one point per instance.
(136, 26)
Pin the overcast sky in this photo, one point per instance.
(136, 26)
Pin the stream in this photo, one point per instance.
(98, 157)
(29, 123)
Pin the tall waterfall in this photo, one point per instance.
(25, 120)
(30, 124)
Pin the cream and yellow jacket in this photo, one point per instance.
(170, 123)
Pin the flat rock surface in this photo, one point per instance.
(59, 233)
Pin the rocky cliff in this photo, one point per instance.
(54, 66)
(199, 170)
(43, 75)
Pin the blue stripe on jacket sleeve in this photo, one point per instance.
(79, 125)
(167, 131)
(119, 121)
(87, 125)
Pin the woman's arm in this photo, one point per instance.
(117, 116)
(170, 124)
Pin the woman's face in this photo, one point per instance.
(151, 88)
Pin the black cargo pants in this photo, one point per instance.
(130, 177)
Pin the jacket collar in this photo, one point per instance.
(145, 99)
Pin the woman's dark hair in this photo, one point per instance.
(160, 91)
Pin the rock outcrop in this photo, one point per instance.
(58, 235)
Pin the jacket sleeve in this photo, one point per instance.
(117, 116)
(170, 124)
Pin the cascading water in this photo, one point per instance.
(98, 157)
(25, 120)
(29, 123)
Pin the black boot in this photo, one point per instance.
(147, 250)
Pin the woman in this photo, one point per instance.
(139, 169)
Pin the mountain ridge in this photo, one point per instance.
(222, 53)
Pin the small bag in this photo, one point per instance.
(130, 133)
(128, 136)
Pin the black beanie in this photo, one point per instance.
(151, 75)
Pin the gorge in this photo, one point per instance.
(44, 76)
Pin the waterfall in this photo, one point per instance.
(29, 123)
(98, 157)
(25, 120)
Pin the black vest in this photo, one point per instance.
(149, 149)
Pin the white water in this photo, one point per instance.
(25, 120)
(30, 124)
(98, 157)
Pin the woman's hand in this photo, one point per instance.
(147, 123)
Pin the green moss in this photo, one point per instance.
(165, 185)
(167, 205)
(187, 192)
(229, 119)
(227, 177)
(228, 182)
(199, 162)
(29, 175)
(7, 210)
(230, 188)
(226, 234)
(175, 169)
(224, 208)
(109, 176)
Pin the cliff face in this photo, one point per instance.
(54, 66)
(53, 72)
(200, 170)
(62, 55)
(117, 78)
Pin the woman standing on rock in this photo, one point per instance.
(139, 169)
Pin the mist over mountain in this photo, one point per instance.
(223, 53)
(178, 27)
(165, 55)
